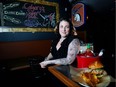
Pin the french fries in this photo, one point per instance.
(90, 79)
(94, 74)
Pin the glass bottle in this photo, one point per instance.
(89, 52)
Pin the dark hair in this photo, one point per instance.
(70, 25)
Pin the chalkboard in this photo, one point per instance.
(22, 14)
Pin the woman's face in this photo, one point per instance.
(64, 28)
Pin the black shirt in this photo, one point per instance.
(63, 50)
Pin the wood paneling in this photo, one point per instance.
(10, 50)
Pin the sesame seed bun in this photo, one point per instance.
(96, 65)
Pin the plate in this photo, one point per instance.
(84, 85)
(79, 80)
(105, 81)
(76, 72)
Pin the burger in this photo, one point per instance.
(94, 74)
(96, 65)
(97, 69)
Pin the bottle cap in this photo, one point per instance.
(88, 45)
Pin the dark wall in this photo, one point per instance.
(100, 29)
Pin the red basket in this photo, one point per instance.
(83, 62)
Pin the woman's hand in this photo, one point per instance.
(43, 64)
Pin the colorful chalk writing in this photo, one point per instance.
(25, 14)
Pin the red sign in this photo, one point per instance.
(78, 14)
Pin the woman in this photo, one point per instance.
(65, 47)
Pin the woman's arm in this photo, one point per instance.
(48, 57)
(73, 50)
